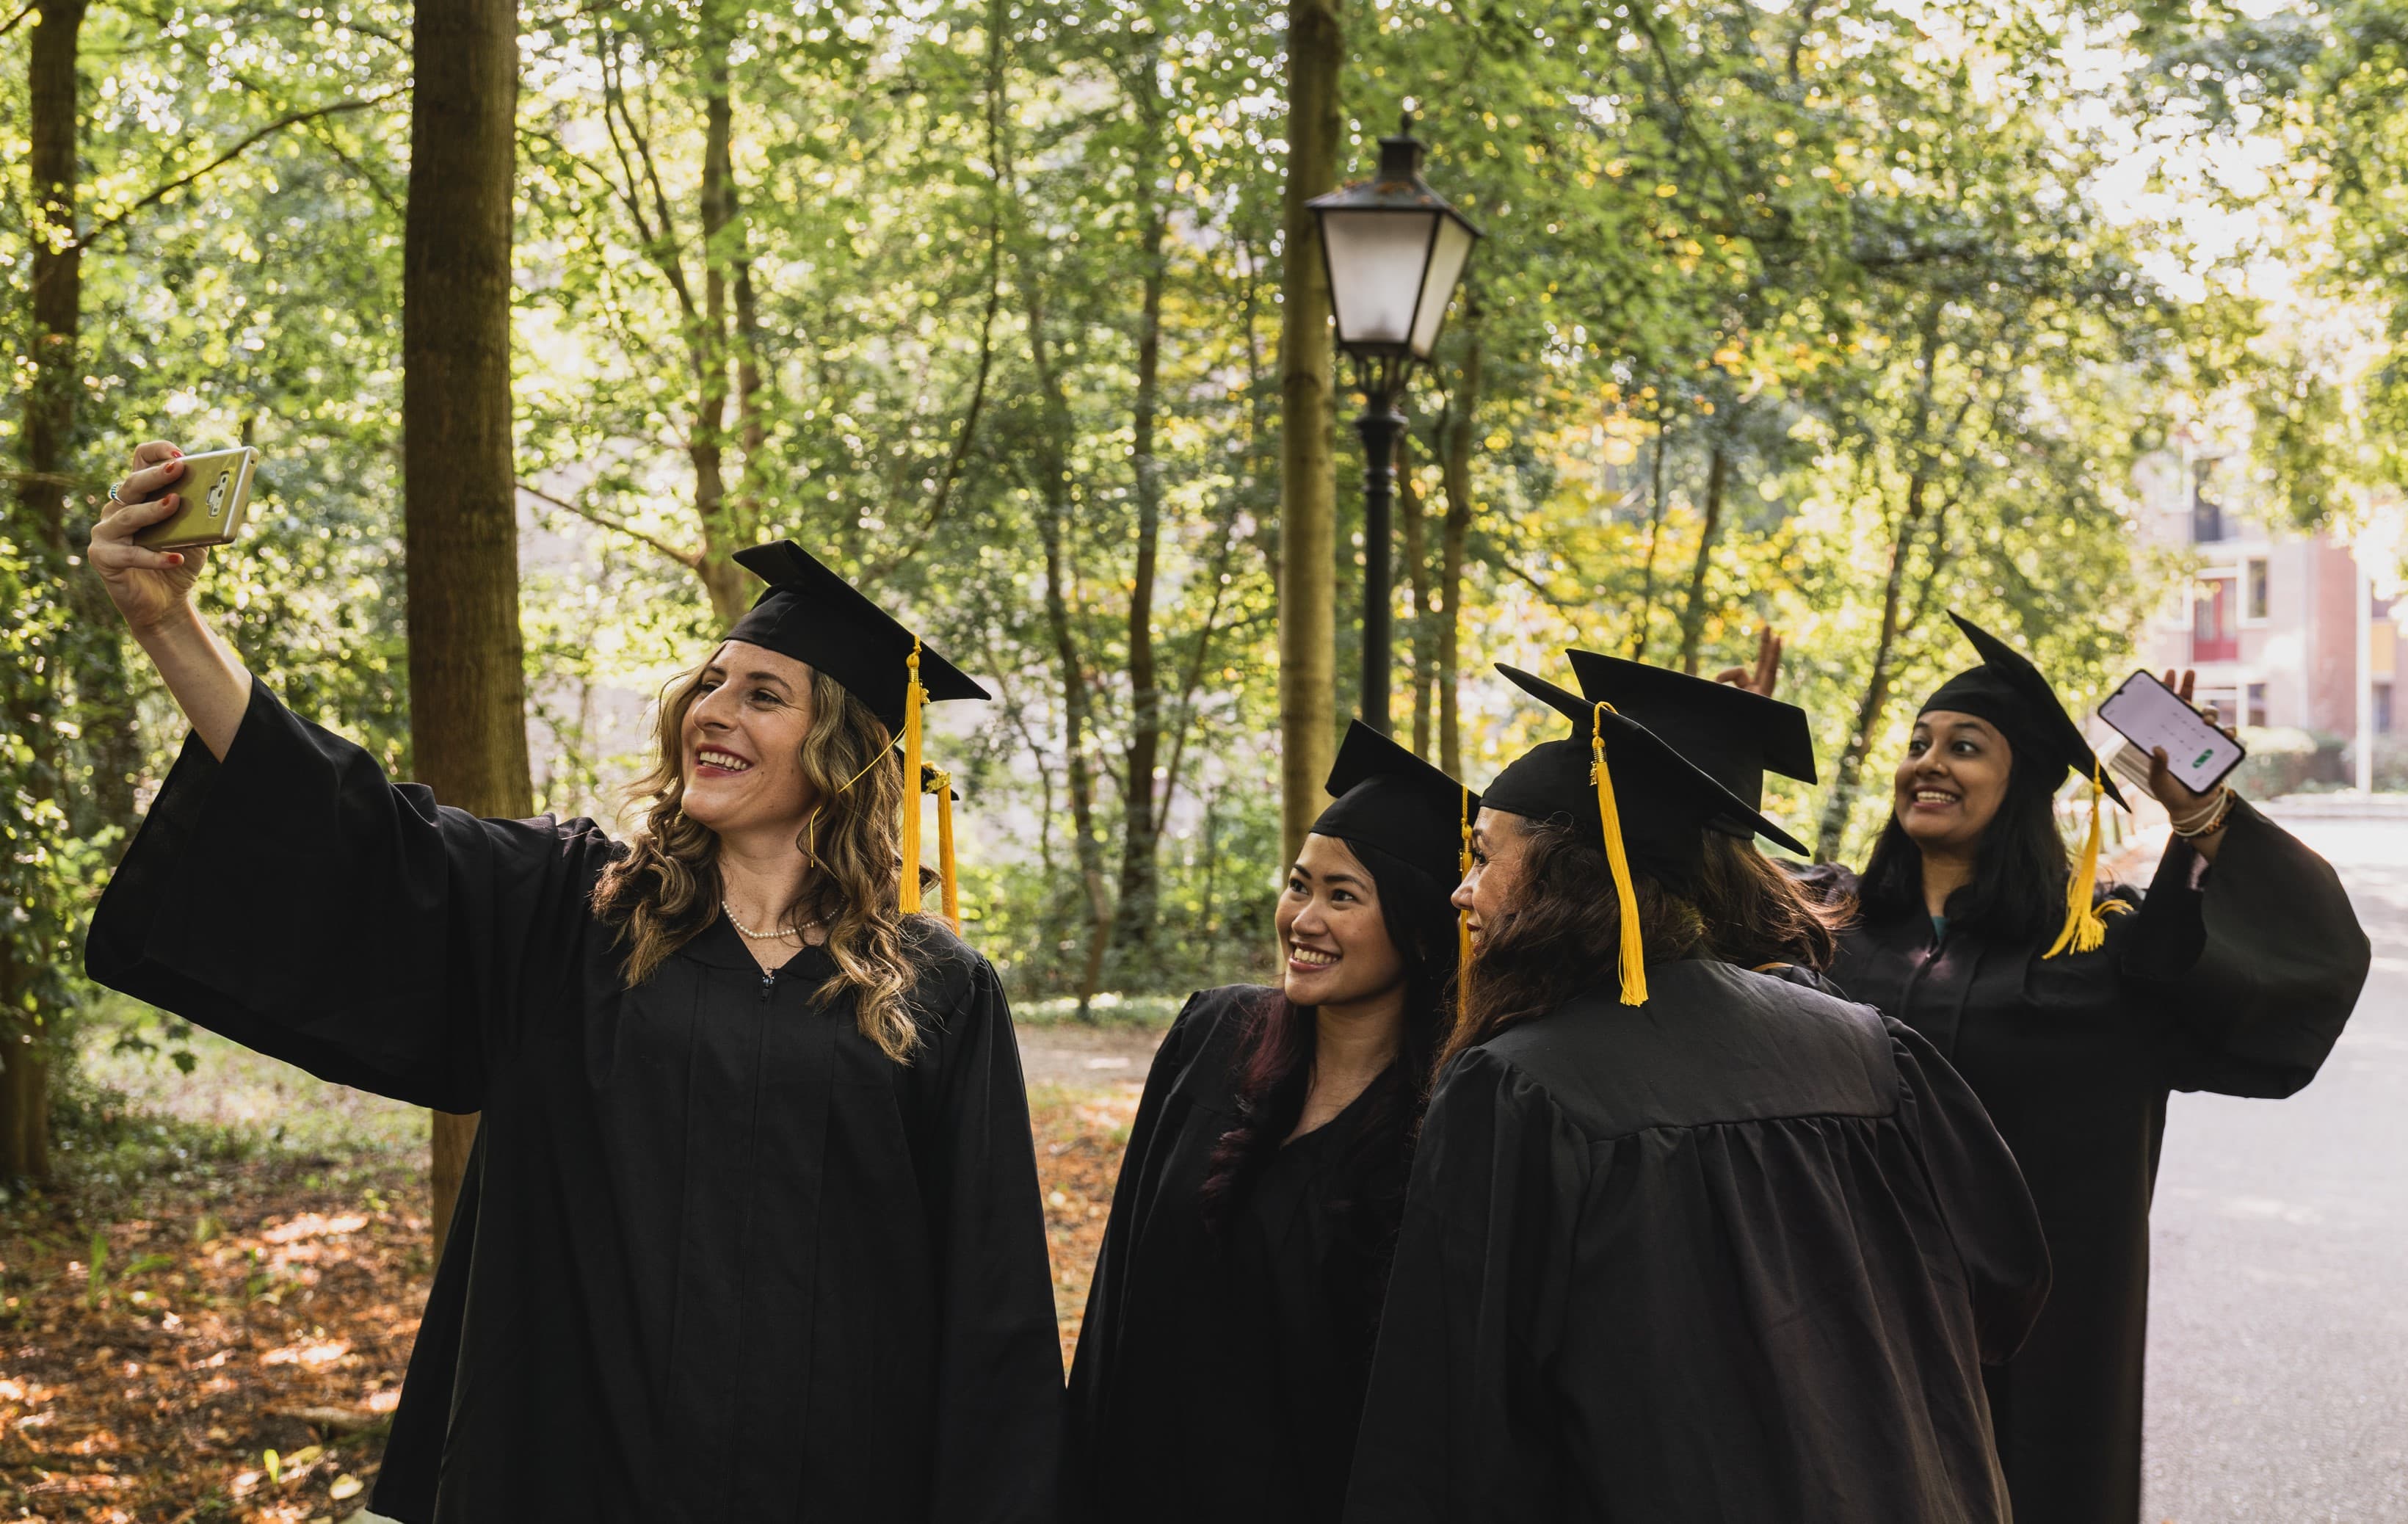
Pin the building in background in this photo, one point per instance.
(2282, 627)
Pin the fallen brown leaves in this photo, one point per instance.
(279, 1317)
(1079, 1133)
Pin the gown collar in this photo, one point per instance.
(717, 945)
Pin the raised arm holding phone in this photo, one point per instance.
(2073, 1007)
(153, 590)
(752, 1227)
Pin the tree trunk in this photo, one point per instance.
(1832, 831)
(1693, 613)
(1308, 572)
(1417, 591)
(468, 677)
(1454, 535)
(50, 416)
(48, 439)
(1055, 512)
(1644, 628)
(729, 586)
(1134, 914)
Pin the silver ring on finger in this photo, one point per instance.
(113, 498)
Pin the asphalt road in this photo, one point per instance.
(2278, 1311)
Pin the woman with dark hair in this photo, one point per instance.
(1683, 1241)
(1229, 1328)
(750, 1228)
(1757, 915)
(2072, 1013)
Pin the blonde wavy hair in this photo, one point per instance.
(665, 890)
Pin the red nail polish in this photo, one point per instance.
(176, 557)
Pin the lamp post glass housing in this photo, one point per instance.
(1393, 250)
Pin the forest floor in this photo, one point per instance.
(208, 1316)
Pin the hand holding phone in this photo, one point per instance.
(149, 586)
(2152, 716)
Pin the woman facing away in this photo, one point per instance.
(1228, 1331)
(1684, 1241)
(751, 1230)
(2072, 1015)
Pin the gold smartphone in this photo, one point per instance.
(216, 489)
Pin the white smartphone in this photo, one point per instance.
(2149, 715)
(216, 488)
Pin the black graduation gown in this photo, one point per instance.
(719, 1258)
(1736, 1256)
(2239, 984)
(1219, 1374)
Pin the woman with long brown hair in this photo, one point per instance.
(1683, 1241)
(1229, 1326)
(752, 1227)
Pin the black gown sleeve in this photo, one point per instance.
(1096, 1359)
(1980, 1193)
(998, 1413)
(2254, 965)
(293, 901)
(1461, 1418)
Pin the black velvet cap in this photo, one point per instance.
(815, 616)
(1389, 798)
(2008, 691)
(1731, 734)
(1665, 800)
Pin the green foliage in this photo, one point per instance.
(1805, 315)
(97, 1268)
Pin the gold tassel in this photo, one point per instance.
(941, 784)
(1634, 946)
(914, 696)
(2084, 931)
(1463, 918)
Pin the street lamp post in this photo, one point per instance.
(1394, 252)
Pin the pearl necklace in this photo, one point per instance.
(768, 935)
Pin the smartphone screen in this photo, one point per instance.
(2150, 715)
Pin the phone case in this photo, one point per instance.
(216, 488)
(2149, 715)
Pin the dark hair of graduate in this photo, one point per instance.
(664, 891)
(1757, 915)
(1272, 1066)
(1564, 936)
(2018, 890)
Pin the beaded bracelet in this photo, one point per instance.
(2208, 822)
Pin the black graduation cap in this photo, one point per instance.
(2008, 691)
(1665, 798)
(1732, 735)
(1389, 798)
(1647, 803)
(810, 614)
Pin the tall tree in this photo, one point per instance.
(1308, 568)
(1458, 439)
(468, 677)
(1133, 911)
(26, 1023)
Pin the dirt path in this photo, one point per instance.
(1091, 1056)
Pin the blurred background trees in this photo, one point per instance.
(1828, 315)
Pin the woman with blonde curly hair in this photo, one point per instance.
(752, 1228)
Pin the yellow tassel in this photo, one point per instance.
(1463, 919)
(1634, 946)
(941, 784)
(914, 696)
(2084, 931)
